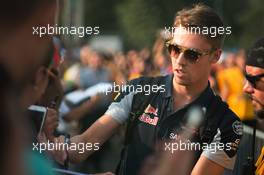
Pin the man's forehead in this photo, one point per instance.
(191, 40)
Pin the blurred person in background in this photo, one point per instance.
(162, 65)
(213, 75)
(93, 70)
(20, 55)
(37, 82)
(145, 54)
(121, 64)
(12, 127)
(45, 90)
(136, 64)
(241, 59)
(230, 82)
(17, 36)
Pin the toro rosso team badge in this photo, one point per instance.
(145, 117)
(237, 127)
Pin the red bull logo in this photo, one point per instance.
(151, 110)
(147, 119)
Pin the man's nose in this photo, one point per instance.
(180, 59)
(248, 88)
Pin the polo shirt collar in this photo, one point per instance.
(168, 86)
(202, 99)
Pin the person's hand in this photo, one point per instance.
(42, 138)
(60, 155)
(51, 123)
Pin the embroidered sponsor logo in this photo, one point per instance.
(147, 119)
(235, 144)
(151, 110)
(237, 127)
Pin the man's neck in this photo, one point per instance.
(185, 94)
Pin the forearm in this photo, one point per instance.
(205, 166)
(98, 133)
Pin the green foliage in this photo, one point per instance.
(252, 23)
(101, 13)
(138, 21)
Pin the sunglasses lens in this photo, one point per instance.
(251, 80)
(191, 55)
(174, 48)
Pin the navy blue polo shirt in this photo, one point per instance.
(158, 121)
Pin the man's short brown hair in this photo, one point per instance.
(200, 15)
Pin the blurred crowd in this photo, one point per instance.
(227, 76)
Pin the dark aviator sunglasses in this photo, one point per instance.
(253, 79)
(190, 54)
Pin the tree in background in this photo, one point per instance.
(137, 21)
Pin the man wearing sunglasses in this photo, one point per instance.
(161, 114)
(254, 86)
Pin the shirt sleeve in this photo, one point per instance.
(120, 108)
(222, 150)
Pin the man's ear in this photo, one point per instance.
(216, 56)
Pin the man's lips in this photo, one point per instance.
(180, 71)
(252, 98)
